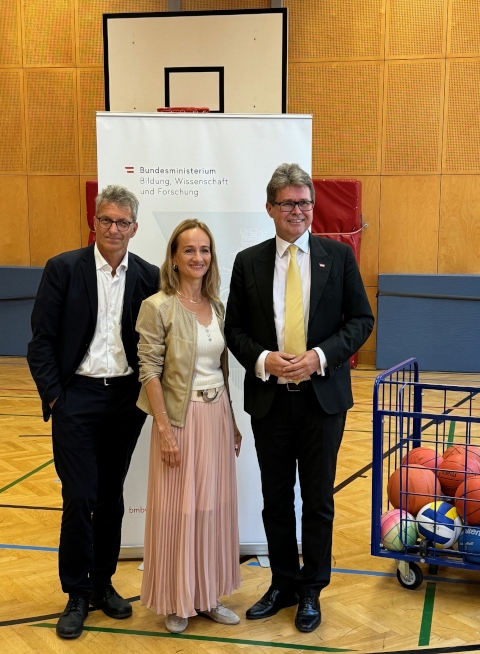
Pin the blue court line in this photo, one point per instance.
(373, 573)
(35, 548)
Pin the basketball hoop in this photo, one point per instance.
(186, 110)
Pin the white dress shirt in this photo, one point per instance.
(282, 259)
(106, 356)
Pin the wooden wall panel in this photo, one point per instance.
(409, 210)
(367, 358)
(392, 85)
(10, 33)
(463, 28)
(461, 146)
(49, 36)
(85, 231)
(370, 344)
(216, 5)
(12, 129)
(54, 213)
(371, 215)
(14, 244)
(328, 29)
(91, 98)
(416, 29)
(52, 130)
(413, 117)
(90, 24)
(346, 130)
(459, 242)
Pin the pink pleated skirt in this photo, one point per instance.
(191, 532)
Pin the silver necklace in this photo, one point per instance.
(187, 298)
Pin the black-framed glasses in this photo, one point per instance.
(122, 225)
(289, 205)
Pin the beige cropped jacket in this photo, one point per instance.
(167, 350)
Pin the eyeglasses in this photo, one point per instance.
(122, 225)
(289, 205)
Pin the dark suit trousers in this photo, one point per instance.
(95, 429)
(297, 429)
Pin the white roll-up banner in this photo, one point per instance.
(214, 167)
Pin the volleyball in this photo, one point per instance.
(397, 529)
(419, 485)
(439, 523)
(469, 542)
(423, 456)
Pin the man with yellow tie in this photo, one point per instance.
(296, 313)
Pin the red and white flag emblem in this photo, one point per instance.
(130, 169)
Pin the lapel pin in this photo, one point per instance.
(322, 265)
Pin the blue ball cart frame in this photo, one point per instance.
(408, 414)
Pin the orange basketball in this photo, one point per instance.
(474, 450)
(458, 462)
(423, 456)
(461, 447)
(419, 487)
(467, 500)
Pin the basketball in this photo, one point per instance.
(439, 523)
(397, 530)
(419, 487)
(469, 542)
(458, 462)
(467, 500)
(474, 450)
(423, 456)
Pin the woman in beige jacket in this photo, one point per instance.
(191, 533)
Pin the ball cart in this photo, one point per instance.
(425, 464)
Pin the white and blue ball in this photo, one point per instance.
(439, 523)
(469, 542)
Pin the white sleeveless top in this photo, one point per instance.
(210, 345)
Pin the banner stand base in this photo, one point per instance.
(254, 549)
(131, 552)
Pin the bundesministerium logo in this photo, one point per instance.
(177, 181)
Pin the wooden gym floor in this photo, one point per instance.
(363, 610)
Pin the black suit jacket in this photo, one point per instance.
(65, 315)
(340, 320)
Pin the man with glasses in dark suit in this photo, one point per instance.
(83, 358)
(296, 313)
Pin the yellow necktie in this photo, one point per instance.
(295, 342)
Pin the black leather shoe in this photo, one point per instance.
(109, 601)
(271, 603)
(70, 624)
(308, 615)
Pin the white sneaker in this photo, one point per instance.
(175, 624)
(221, 614)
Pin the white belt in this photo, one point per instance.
(207, 394)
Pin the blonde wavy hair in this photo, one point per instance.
(170, 281)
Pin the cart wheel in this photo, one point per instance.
(414, 578)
